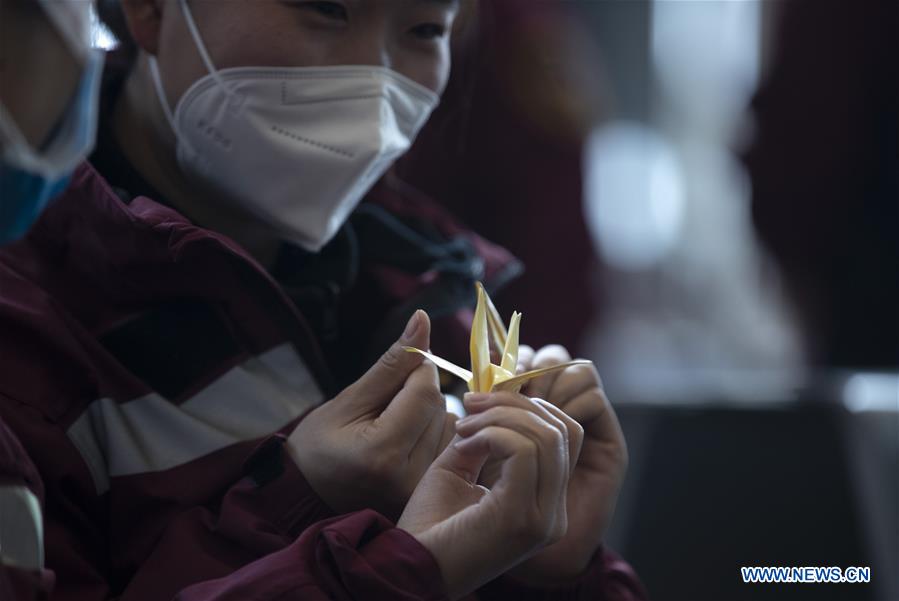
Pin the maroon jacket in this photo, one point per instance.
(148, 365)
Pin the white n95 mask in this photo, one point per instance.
(297, 147)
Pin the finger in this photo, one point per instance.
(573, 432)
(571, 383)
(437, 434)
(464, 458)
(525, 358)
(524, 419)
(414, 407)
(377, 387)
(546, 357)
(449, 431)
(594, 411)
(479, 404)
(447, 487)
(532, 468)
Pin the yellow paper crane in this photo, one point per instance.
(484, 376)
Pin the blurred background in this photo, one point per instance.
(705, 195)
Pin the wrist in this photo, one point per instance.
(555, 566)
(457, 580)
(276, 488)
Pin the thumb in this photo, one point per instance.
(463, 459)
(377, 387)
(451, 483)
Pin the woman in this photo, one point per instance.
(207, 293)
(48, 105)
(49, 84)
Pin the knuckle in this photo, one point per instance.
(533, 403)
(584, 372)
(538, 400)
(575, 430)
(595, 406)
(432, 397)
(504, 398)
(551, 355)
(497, 415)
(393, 359)
(551, 436)
(530, 451)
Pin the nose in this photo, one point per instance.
(370, 47)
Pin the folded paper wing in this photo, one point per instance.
(486, 328)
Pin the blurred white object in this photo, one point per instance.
(690, 307)
(634, 197)
(21, 528)
(706, 57)
(100, 35)
(454, 405)
(871, 392)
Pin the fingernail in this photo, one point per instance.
(475, 397)
(461, 422)
(413, 325)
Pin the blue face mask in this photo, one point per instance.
(30, 179)
(23, 196)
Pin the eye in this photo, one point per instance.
(329, 10)
(428, 31)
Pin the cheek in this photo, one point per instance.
(242, 36)
(179, 61)
(432, 71)
(264, 37)
(442, 73)
(30, 47)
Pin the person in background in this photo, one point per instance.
(182, 311)
(49, 85)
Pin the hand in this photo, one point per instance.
(598, 474)
(370, 445)
(476, 534)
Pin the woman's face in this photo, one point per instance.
(38, 71)
(407, 36)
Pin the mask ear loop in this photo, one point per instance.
(233, 99)
(160, 93)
